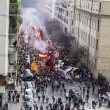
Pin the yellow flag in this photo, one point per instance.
(34, 66)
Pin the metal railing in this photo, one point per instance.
(12, 50)
(11, 68)
(12, 30)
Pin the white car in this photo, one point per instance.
(28, 72)
(29, 92)
(27, 56)
(29, 85)
(28, 60)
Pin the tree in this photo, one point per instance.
(52, 26)
(70, 52)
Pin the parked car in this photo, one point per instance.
(28, 85)
(74, 93)
(28, 93)
(28, 60)
(28, 76)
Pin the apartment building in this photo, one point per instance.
(14, 23)
(92, 30)
(4, 21)
(63, 12)
(9, 24)
(50, 6)
(64, 15)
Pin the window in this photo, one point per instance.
(88, 5)
(65, 29)
(67, 13)
(100, 7)
(98, 25)
(96, 44)
(72, 22)
(66, 21)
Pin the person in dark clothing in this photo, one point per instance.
(41, 107)
(43, 98)
(93, 89)
(6, 106)
(36, 107)
(3, 108)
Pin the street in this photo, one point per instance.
(13, 106)
(32, 32)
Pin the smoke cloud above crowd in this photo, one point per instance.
(32, 19)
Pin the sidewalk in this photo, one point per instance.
(16, 106)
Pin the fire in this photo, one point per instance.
(42, 55)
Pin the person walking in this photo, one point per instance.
(53, 98)
(47, 99)
(36, 107)
(94, 104)
(6, 106)
(64, 92)
(39, 95)
(84, 91)
(93, 89)
(43, 97)
(13, 97)
(41, 107)
(61, 90)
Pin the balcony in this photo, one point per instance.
(13, 30)
(14, 24)
(11, 69)
(14, 8)
(11, 49)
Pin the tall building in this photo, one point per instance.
(9, 25)
(50, 6)
(92, 30)
(63, 12)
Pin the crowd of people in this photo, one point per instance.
(86, 83)
(13, 96)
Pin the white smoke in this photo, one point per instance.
(31, 21)
(41, 46)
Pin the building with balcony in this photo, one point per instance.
(92, 30)
(50, 7)
(4, 39)
(63, 12)
(9, 25)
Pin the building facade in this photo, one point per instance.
(91, 29)
(4, 39)
(63, 12)
(9, 25)
(50, 6)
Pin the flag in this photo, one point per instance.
(49, 64)
(34, 66)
